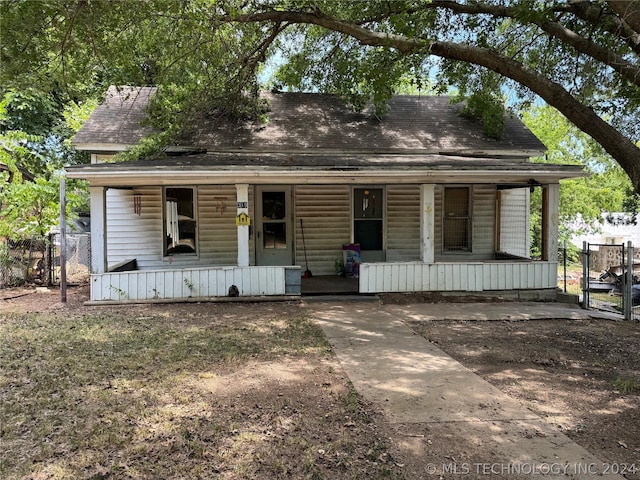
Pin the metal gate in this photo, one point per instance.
(611, 279)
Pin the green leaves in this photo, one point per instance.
(29, 110)
(606, 189)
(28, 209)
(489, 107)
(35, 128)
(32, 209)
(206, 55)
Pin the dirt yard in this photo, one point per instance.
(581, 376)
(288, 411)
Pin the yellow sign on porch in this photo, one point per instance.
(243, 220)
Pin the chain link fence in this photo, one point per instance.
(37, 261)
(23, 261)
(78, 257)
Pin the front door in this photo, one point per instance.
(274, 233)
(368, 226)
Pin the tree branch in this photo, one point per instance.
(614, 25)
(625, 68)
(364, 36)
(615, 143)
(258, 54)
(629, 12)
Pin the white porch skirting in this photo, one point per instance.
(188, 283)
(194, 283)
(456, 277)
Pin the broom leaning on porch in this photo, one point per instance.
(307, 273)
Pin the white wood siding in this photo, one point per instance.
(326, 214)
(514, 222)
(483, 199)
(483, 206)
(403, 223)
(456, 277)
(187, 283)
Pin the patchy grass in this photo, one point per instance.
(627, 385)
(202, 391)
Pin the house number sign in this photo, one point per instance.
(243, 220)
(243, 204)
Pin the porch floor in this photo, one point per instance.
(329, 285)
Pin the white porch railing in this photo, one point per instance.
(452, 277)
(188, 283)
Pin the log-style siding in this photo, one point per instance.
(326, 214)
(134, 236)
(403, 223)
(217, 231)
(140, 236)
(326, 211)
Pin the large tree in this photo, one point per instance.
(580, 56)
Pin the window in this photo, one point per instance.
(179, 221)
(456, 221)
(367, 218)
(274, 220)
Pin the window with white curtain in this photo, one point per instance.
(180, 222)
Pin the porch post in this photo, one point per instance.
(97, 197)
(550, 215)
(242, 198)
(427, 223)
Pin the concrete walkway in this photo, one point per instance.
(426, 395)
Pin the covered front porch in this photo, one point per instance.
(198, 231)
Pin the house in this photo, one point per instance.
(432, 202)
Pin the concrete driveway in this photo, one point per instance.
(416, 384)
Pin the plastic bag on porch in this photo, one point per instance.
(351, 259)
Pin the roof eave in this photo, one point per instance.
(101, 177)
(475, 153)
(102, 148)
(120, 147)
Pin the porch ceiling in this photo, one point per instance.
(296, 168)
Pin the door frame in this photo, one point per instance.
(287, 259)
(380, 255)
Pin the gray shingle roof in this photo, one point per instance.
(117, 120)
(302, 121)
